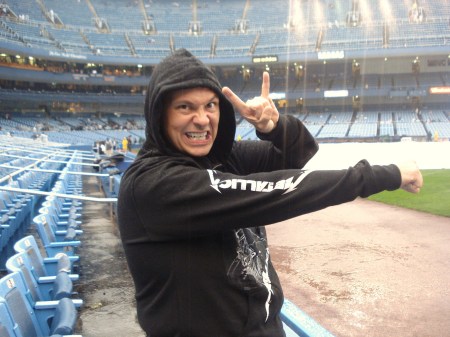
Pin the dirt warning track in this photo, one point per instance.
(367, 269)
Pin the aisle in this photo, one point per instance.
(105, 284)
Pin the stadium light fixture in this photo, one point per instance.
(277, 95)
(439, 90)
(335, 93)
(386, 10)
(330, 55)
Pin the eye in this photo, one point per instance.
(212, 105)
(183, 107)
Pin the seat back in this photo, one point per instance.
(40, 319)
(45, 230)
(29, 245)
(45, 266)
(7, 325)
(21, 263)
(13, 291)
(39, 290)
(55, 241)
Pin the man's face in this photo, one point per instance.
(192, 120)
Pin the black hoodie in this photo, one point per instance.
(193, 228)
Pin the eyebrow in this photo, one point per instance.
(188, 101)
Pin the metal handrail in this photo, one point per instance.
(53, 153)
(58, 195)
(54, 171)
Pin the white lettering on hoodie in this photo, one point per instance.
(288, 185)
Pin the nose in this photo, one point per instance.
(201, 117)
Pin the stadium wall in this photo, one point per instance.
(428, 155)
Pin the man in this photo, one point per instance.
(193, 205)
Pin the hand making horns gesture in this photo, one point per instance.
(259, 111)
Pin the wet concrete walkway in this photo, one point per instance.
(105, 284)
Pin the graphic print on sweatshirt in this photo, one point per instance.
(250, 268)
(287, 185)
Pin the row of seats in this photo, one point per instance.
(33, 305)
(37, 295)
(366, 125)
(227, 44)
(221, 30)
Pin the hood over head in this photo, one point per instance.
(182, 70)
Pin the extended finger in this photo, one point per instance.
(265, 88)
(234, 99)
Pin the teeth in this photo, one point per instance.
(197, 135)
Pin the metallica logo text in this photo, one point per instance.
(288, 185)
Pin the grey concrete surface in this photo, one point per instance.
(105, 284)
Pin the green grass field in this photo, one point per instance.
(433, 198)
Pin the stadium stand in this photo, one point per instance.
(37, 285)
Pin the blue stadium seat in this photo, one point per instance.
(47, 288)
(63, 205)
(56, 241)
(66, 230)
(18, 205)
(6, 228)
(8, 235)
(45, 266)
(59, 217)
(44, 318)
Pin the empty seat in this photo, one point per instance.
(42, 319)
(46, 288)
(56, 241)
(46, 266)
(60, 220)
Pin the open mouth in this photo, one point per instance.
(198, 135)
